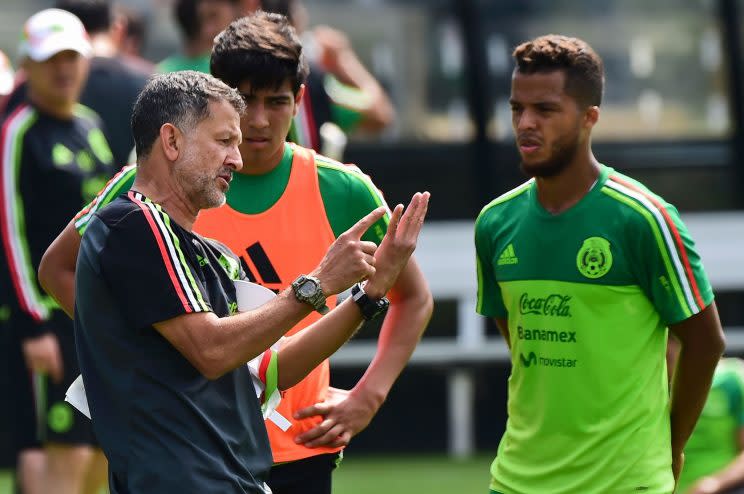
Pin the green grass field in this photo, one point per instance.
(412, 475)
(396, 475)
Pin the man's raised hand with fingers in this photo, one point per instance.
(302, 352)
(346, 413)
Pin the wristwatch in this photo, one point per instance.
(307, 290)
(370, 307)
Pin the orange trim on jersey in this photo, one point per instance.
(163, 251)
(277, 245)
(675, 232)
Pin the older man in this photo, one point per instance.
(161, 349)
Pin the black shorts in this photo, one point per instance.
(18, 413)
(307, 476)
(59, 421)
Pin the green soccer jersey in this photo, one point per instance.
(715, 441)
(348, 194)
(588, 295)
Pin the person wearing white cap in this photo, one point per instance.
(54, 157)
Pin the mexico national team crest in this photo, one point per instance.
(595, 258)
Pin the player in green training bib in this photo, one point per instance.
(584, 269)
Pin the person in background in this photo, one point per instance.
(113, 83)
(342, 95)
(55, 158)
(21, 456)
(199, 21)
(133, 38)
(714, 454)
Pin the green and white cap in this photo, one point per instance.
(52, 31)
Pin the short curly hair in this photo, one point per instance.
(583, 67)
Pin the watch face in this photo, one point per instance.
(308, 289)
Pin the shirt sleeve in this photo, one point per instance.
(670, 270)
(490, 302)
(147, 271)
(349, 195)
(119, 183)
(348, 103)
(366, 197)
(30, 308)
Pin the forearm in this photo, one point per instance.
(701, 345)
(732, 475)
(401, 331)
(691, 384)
(379, 112)
(304, 351)
(216, 345)
(244, 336)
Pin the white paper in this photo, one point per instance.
(250, 295)
(76, 396)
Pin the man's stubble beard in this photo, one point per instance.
(565, 151)
(200, 187)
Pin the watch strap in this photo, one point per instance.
(370, 308)
(318, 300)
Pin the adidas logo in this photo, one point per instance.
(507, 256)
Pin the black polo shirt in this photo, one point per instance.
(164, 427)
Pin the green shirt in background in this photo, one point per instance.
(715, 441)
(588, 295)
(174, 63)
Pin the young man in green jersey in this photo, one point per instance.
(584, 271)
(262, 56)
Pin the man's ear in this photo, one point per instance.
(170, 141)
(298, 97)
(591, 116)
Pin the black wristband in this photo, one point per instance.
(370, 308)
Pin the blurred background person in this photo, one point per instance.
(21, 456)
(133, 38)
(343, 95)
(199, 21)
(54, 157)
(113, 82)
(714, 454)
